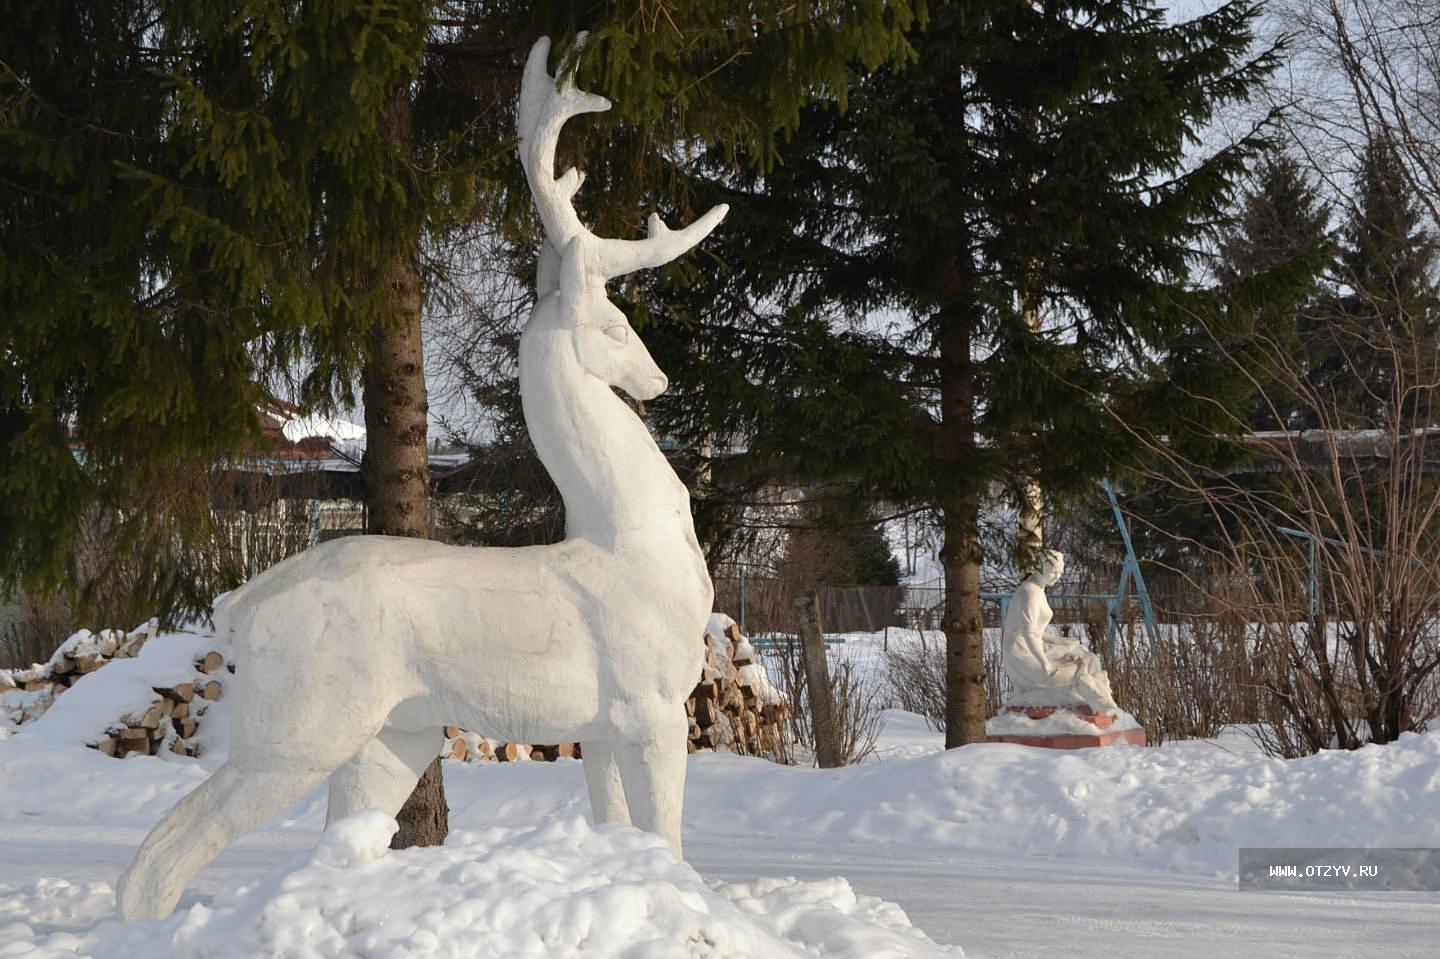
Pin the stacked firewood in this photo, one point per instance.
(466, 746)
(79, 656)
(172, 718)
(83, 653)
(733, 707)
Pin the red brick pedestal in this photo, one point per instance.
(1103, 735)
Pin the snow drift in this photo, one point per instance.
(557, 890)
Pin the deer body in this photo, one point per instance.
(352, 656)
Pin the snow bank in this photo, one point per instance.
(562, 889)
(42, 782)
(1185, 806)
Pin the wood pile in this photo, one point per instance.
(78, 656)
(84, 653)
(168, 722)
(172, 718)
(466, 746)
(732, 707)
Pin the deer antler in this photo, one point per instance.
(545, 105)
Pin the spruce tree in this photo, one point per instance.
(199, 195)
(1387, 308)
(870, 321)
(1282, 221)
(187, 192)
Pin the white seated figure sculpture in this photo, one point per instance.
(353, 656)
(1059, 690)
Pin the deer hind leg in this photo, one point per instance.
(383, 773)
(235, 799)
(652, 769)
(602, 778)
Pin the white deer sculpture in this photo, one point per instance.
(351, 657)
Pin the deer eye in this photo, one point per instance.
(618, 332)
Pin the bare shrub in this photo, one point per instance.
(1324, 537)
(38, 627)
(1192, 680)
(915, 677)
(915, 673)
(857, 703)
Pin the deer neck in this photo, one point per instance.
(617, 486)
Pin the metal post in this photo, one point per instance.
(743, 630)
(1132, 568)
(1314, 581)
(1312, 578)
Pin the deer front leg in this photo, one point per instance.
(652, 768)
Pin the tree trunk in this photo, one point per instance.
(396, 466)
(965, 708)
(1031, 534)
(817, 683)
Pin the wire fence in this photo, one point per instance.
(764, 605)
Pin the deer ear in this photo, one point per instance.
(572, 283)
(547, 271)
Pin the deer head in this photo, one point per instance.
(575, 264)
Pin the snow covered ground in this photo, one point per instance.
(1000, 850)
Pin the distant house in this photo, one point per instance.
(304, 487)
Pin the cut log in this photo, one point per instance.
(131, 648)
(512, 752)
(106, 746)
(211, 662)
(89, 662)
(182, 693)
(458, 750)
(187, 726)
(451, 732)
(132, 734)
(704, 712)
(109, 641)
(150, 719)
(62, 666)
(211, 690)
